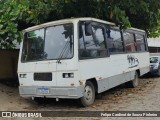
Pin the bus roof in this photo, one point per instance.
(135, 29)
(67, 21)
(63, 21)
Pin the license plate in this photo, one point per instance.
(43, 90)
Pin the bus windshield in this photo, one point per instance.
(48, 43)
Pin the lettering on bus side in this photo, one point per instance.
(133, 61)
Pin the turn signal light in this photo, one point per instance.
(22, 75)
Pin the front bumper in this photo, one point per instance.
(54, 92)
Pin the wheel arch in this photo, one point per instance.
(138, 71)
(95, 84)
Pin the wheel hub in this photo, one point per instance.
(88, 93)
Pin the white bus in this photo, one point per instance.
(79, 58)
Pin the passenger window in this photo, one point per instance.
(140, 42)
(99, 37)
(92, 46)
(130, 44)
(115, 43)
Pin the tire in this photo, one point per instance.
(133, 83)
(88, 95)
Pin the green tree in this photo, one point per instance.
(10, 12)
(143, 14)
(16, 15)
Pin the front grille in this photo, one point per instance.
(42, 76)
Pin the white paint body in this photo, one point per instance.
(102, 69)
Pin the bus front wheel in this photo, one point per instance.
(88, 95)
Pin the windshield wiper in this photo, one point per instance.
(63, 51)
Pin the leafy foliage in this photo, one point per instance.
(10, 12)
(16, 15)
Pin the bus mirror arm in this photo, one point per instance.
(120, 25)
(88, 29)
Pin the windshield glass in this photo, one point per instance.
(154, 60)
(48, 43)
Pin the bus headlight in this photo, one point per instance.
(22, 75)
(68, 75)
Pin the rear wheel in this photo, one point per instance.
(89, 95)
(134, 83)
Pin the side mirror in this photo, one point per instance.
(88, 29)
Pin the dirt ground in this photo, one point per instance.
(146, 97)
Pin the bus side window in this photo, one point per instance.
(130, 44)
(115, 43)
(140, 42)
(92, 46)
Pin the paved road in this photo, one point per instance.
(146, 97)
